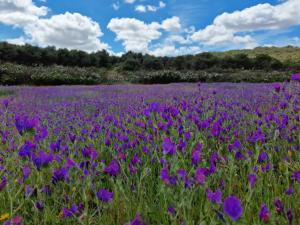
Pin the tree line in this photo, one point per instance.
(29, 55)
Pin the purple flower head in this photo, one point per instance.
(135, 159)
(55, 146)
(42, 159)
(264, 213)
(289, 191)
(214, 196)
(262, 157)
(105, 195)
(166, 178)
(233, 208)
(196, 154)
(171, 211)
(113, 169)
(289, 215)
(26, 149)
(295, 77)
(68, 212)
(39, 205)
(216, 129)
(89, 152)
(257, 136)
(24, 124)
(181, 173)
(60, 175)
(200, 176)
(277, 87)
(252, 179)
(279, 206)
(168, 147)
(3, 183)
(5, 103)
(26, 172)
(296, 176)
(137, 220)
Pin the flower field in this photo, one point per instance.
(161, 154)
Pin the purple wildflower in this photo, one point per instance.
(214, 196)
(289, 215)
(113, 169)
(233, 208)
(289, 191)
(296, 176)
(137, 220)
(262, 157)
(279, 206)
(252, 179)
(24, 124)
(196, 154)
(26, 149)
(169, 148)
(295, 77)
(264, 213)
(105, 195)
(200, 176)
(3, 183)
(171, 211)
(26, 172)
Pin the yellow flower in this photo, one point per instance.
(74, 189)
(4, 217)
(290, 153)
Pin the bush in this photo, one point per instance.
(11, 74)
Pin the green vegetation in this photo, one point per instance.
(49, 66)
(288, 54)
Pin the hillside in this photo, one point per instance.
(284, 54)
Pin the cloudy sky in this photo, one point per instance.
(166, 27)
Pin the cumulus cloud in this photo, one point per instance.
(150, 8)
(68, 30)
(137, 35)
(20, 12)
(227, 26)
(171, 24)
(171, 50)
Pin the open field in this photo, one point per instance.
(150, 154)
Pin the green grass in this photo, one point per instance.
(284, 54)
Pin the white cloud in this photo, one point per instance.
(116, 6)
(162, 4)
(150, 8)
(69, 30)
(171, 50)
(172, 24)
(135, 34)
(129, 1)
(20, 12)
(227, 26)
(16, 41)
(178, 39)
(141, 8)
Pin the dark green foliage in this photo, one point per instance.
(50, 66)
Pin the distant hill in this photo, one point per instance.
(284, 54)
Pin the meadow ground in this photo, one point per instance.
(162, 154)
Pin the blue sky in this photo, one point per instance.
(158, 27)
